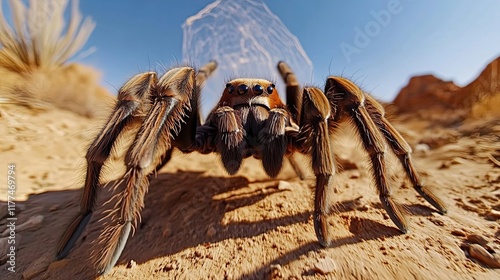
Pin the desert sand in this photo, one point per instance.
(201, 223)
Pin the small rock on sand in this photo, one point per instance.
(477, 239)
(492, 214)
(276, 271)
(422, 148)
(284, 186)
(131, 264)
(479, 253)
(354, 174)
(458, 232)
(346, 163)
(325, 266)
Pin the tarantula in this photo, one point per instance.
(250, 119)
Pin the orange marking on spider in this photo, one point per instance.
(242, 92)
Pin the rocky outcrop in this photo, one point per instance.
(428, 92)
(485, 86)
(425, 92)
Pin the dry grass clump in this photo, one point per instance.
(39, 37)
(34, 53)
(72, 87)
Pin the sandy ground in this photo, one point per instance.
(200, 223)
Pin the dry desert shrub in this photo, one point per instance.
(73, 87)
(34, 53)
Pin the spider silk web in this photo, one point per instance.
(247, 40)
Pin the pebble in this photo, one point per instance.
(198, 253)
(493, 214)
(131, 264)
(346, 163)
(422, 147)
(477, 239)
(361, 204)
(364, 207)
(437, 221)
(479, 253)
(458, 232)
(170, 266)
(276, 271)
(354, 174)
(325, 266)
(284, 186)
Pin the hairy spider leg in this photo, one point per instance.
(161, 124)
(132, 100)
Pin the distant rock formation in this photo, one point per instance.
(428, 92)
(425, 92)
(485, 86)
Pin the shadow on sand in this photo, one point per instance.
(180, 208)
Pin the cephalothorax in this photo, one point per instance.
(249, 120)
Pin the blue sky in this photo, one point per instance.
(453, 39)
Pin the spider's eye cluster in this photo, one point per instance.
(230, 88)
(242, 89)
(270, 88)
(258, 89)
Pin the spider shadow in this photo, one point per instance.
(183, 210)
(362, 230)
(420, 210)
(187, 209)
